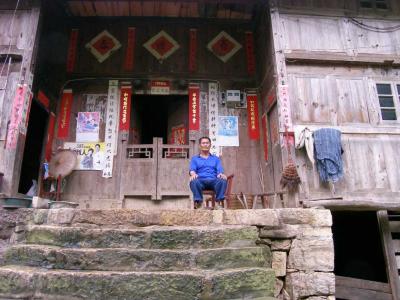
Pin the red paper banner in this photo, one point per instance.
(130, 49)
(65, 115)
(71, 56)
(252, 117)
(251, 65)
(194, 115)
(125, 108)
(50, 136)
(42, 98)
(265, 135)
(16, 117)
(192, 50)
(28, 112)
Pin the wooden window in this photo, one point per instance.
(379, 4)
(386, 101)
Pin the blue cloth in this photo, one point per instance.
(206, 168)
(328, 154)
(218, 185)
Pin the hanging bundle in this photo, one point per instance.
(290, 177)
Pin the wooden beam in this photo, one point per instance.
(362, 284)
(357, 205)
(388, 251)
(303, 56)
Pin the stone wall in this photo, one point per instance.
(300, 239)
(302, 254)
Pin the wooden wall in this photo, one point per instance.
(17, 40)
(331, 59)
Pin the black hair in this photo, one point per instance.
(204, 137)
(97, 145)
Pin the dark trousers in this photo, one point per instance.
(218, 185)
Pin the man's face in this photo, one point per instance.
(205, 144)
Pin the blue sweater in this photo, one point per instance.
(206, 168)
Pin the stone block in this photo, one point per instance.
(313, 217)
(281, 245)
(40, 216)
(283, 232)
(279, 263)
(301, 284)
(314, 254)
(258, 217)
(278, 287)
(62, 216)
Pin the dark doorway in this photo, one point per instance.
(358, 246)
(38, 118)
(155, 116)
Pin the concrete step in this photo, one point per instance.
(28, 282)
(126, 259)
(151, 237)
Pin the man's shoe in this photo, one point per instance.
(218, 206)
(198, 205)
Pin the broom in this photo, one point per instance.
(290, 177)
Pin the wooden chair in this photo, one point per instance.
(211, 194)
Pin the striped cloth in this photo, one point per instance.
(328, 154)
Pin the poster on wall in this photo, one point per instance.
(213, 117)
(97, 102)
(90, 155)
(178, 135)
(228, 131)
(87, 126)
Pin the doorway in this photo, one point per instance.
(157, 116)
(38, 118)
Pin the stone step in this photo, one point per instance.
(125, 259)
(151, 237)
(28, 282)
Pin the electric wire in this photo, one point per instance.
(10, 35)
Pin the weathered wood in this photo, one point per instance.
(389, 255)
(351, 293)
(357, 205)
(362, 284)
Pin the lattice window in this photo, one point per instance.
(378, 4)
(386, 101)
(181, 153)
(139, 153)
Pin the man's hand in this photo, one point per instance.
(222, 176)
(193, 175)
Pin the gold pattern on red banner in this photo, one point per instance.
(65, 115)
(71, 55)
(194, 115)
(192, 50)
(252, 116)
(16, 117)
(251, 65)
(42, 98)
(130, 49)
(125, 108)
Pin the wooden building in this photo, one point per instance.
(154, 76)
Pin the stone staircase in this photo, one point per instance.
(71, 254)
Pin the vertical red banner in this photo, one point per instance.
(125, 108)
(71, 55)
(252, 116)
(130, 49)
(42, 98)
(16, 117)
(50, 136)
(265, 135)
(192, 50)
(194, 112)
(65, 115)
(251, 65)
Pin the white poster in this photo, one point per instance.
(228, 131)
(90, 155)
(111, 127)
(212, 117)
(87, 126)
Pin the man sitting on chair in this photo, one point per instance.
(206, 173)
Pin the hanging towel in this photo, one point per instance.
(303, 136)
(327, 146)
